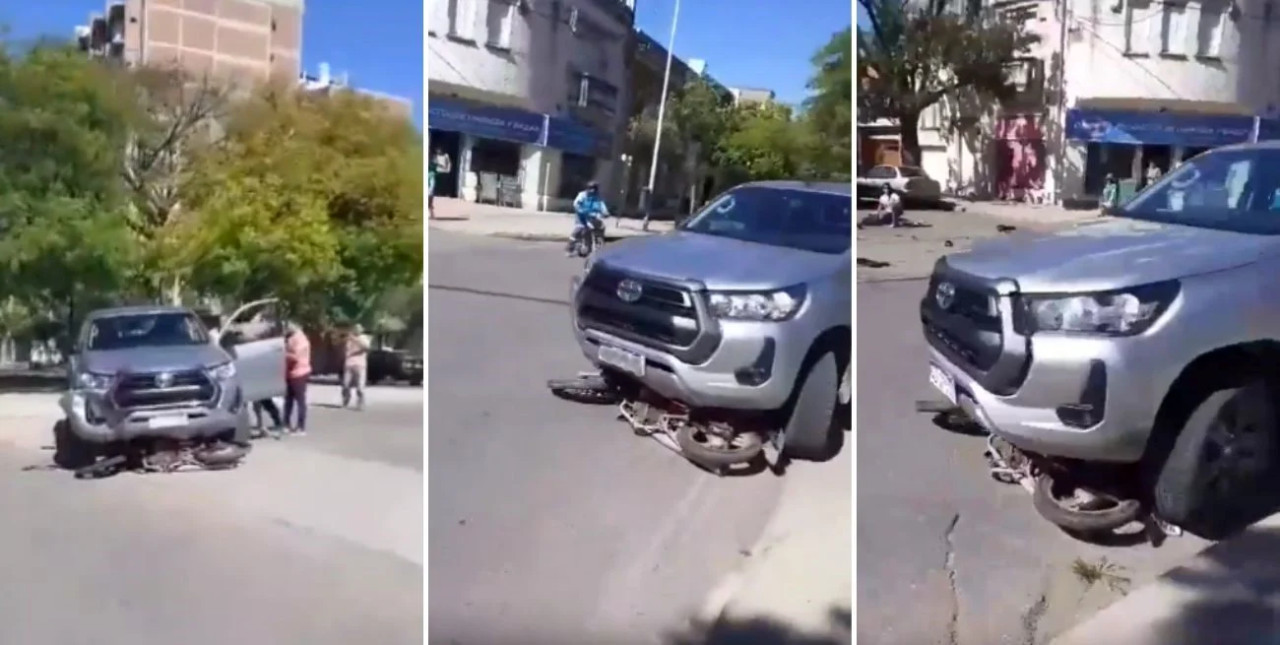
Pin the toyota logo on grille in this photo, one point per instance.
(629, 291)
(164, 379)
(945, 295)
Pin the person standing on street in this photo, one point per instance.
(440, 164)
(355, 367)
(297, 360)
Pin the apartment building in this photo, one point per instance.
(528, 97)
(1142, 82)
(240, 41)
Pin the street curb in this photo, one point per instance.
(911, 278)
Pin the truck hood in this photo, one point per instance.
(1109, 254)
(153, 359)
(718, 262)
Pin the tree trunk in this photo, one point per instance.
(173, 292)
(909, 131)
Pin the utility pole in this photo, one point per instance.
(662, 110)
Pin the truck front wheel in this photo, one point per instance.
(811, 430)
(1222, 470)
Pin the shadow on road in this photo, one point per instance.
(1234, 588)
(26, 381)
(764, 631)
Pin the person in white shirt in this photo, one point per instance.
(890, 205)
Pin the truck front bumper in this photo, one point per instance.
(91, 419)
(1111, 378)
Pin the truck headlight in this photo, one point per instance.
(223, 372)
(96, 382)
(758, 305)
(1125, 312)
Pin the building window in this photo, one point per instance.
(499, 22)
(587, 91)
(1138, 25)
(1173, 41)
(462, 19)
(1213, 21)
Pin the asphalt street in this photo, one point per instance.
(550, 522)
(945, 553)
(311, 540)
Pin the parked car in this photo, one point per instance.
(911, 182)
(394, 365)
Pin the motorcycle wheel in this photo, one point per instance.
(589, 389)
(699, 446)
(1109, 515)
(221, 455)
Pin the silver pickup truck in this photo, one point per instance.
(744, 308)
(1135, 360)
(156, 372)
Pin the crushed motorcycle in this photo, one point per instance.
(722, 442)
(1092, 502)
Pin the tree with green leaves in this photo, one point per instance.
(828, 111)
(915, 54)
(762, 141)
(64, 245)
(316, 199)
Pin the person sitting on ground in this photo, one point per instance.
(1110, 194)
(888, 208)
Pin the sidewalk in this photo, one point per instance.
(888, 254)
(1227, 595)
(797, 584)
(457, 216)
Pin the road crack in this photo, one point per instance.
(949, 564)
(1031, 619)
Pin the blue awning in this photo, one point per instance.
(486, 121)
(1157, 128)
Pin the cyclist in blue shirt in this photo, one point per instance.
(588, 210)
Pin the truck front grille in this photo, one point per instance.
(968, 327)
(663, 315)
(159, 389)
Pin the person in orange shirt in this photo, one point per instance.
(297, 361)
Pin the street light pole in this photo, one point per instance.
(662, 110)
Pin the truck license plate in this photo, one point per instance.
(629, 362)
(944, 382)
(167, 421)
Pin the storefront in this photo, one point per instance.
(1125, 144)
(511, 156)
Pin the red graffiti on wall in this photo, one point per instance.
(1019, 158)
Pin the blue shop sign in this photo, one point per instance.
(1157, 128)
(486, 121)
(575, 138)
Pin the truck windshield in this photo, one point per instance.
(797, 219)
(145, 330)
(1233, 189)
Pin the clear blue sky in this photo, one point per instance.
(383, 54)
(749, 43)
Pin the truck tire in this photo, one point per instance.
(1220, 474)
(811, 430)
(69, 450)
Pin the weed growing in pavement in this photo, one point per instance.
(1103, 571)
